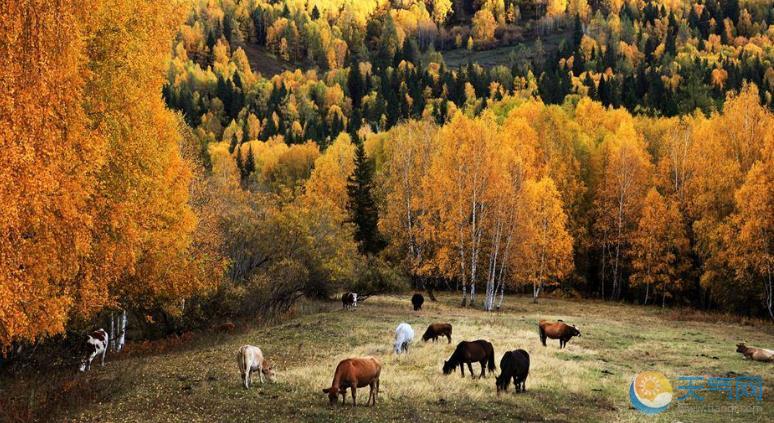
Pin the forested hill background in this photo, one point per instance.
(617, 149)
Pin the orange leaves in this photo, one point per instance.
(47, 167)
(545, 251)
(93, 191)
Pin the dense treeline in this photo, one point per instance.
(578, 197)
(376, 67)
(671, 210)
(95, 207)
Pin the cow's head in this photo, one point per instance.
(574, 331)
(268, 371)
(741, 347)
(333, 394)
(448, 367)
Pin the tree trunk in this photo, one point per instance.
(536, 291)
(464, 295)
(112, 331)
(604, 261)
(122, 321)
(770, 291)
(502, 294)
(647, 292)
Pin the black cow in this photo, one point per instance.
(417, 300)
(349, 300)
(514, 364)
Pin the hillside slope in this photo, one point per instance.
(587, 381)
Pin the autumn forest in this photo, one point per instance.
(194, 161)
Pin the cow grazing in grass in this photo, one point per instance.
(96, 344)
(479, 351)
(355, 373)
(514, 365)
(349, 300)
(404, 335)
(559, 330)
(250, 359)
(755, 354)
(417, 300)
(438, 329)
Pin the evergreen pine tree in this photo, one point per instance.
(355, 83)
(362, 207)
(249, 162)
(234, 143)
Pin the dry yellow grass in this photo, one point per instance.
(587, 381)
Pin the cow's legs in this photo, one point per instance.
(354, 395)
(371, 393)
(483, 369)
(449, 338)
(377, 390)
(103, 355)
(462, 369)
(470, 367)
(260, 374)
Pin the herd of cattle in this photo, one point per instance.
(359, 372)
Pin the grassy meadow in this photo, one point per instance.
(587, 381)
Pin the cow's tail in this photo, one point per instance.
(490, 363)
(542, 335)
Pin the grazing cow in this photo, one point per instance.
(417, 300)
(755, 354)
(404, 335)
(355, 373)
(250, 359)
(438, 329)
(515, 365)
(479, 351)
(559, 330)
(96, 343)
(349, 300)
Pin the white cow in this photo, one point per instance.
(250, 359)
(404, 335)
(96, 343)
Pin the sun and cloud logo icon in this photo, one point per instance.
(650, 392)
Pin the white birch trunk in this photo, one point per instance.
(112, 342)
(122, 321)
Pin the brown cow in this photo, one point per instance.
(438, 329)
(559, 330)
(355, 373)
(755, 354)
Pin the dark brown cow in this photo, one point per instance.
(559, 330)
(479, 351)
(438, 329)
(355, 373)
